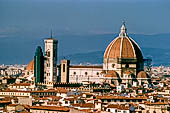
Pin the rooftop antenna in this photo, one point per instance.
(123, 22)
(51, 34)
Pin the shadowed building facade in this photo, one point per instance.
(39, 65)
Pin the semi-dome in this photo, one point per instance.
(123, 47)
(112, 73)
(128, 72)
(142, 74)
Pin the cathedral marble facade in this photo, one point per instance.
(122, 64)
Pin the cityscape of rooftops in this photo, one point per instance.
(84, 56)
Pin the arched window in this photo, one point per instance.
(48, 54)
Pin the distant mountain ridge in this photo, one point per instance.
(20, 49)
(158, 56)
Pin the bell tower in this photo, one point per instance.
(50, 63)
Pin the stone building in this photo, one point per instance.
(122, 64)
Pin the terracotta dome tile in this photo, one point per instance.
(30, 66)
(142, 74)
(123, 47)
(112, 73)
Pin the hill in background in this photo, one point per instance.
(20, 49)
(158, 56)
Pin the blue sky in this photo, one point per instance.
(25, 23)
(83, 16)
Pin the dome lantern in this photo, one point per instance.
(123, 30)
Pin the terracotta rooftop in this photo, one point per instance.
(15, 91)
(51, 108)
(43, 98)
(58, 90)
(24, 112)
(157, 103)
(21, 84)
(5, 101)
(122, 107)
(84, 105)
(70, 99)
(113, 106)
(120, 97)
(54, 97)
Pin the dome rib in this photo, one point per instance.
(107, 49)
(137, 49)
(121, 47)
(135, 43)
(132, 47)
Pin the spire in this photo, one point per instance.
(123, 30)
